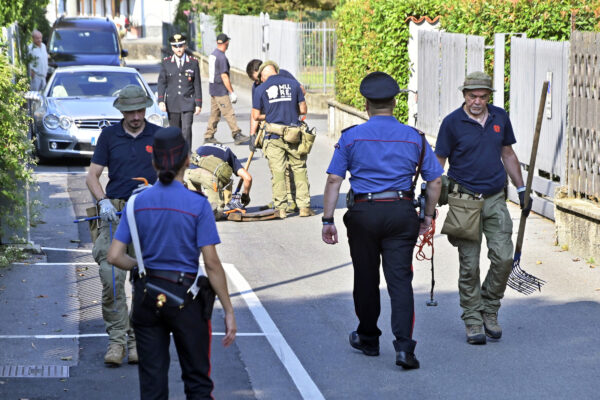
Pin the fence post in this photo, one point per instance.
(324, 57)
(499, 40)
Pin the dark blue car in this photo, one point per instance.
(84, 41)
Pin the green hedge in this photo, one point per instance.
(372, 35)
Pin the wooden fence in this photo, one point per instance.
(444, 60)
(583, 155)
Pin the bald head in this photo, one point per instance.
(36, 36)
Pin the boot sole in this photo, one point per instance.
(492, 335)
(366, 352)
(479, 339)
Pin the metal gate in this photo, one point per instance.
(316, 58)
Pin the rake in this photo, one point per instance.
(520, 280)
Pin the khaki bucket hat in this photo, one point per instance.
(131, 98)
(477, 80)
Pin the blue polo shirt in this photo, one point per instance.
(220, 151)
(474, 151)
(278, 98)
(217, 65)
(126, 157)
(282, 72)
(173, 224)
(382, 154)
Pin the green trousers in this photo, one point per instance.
(201, 180)
(475, 297)
(114, 310)
(280, 154)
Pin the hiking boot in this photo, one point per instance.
(291, 207)
(238, 138)
(280, 213)
(490, 323)
(306, 212)
(211, 140)
(132, 357)
(475, 334)
(115, 354)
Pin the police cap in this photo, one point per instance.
(169, 148)
(379, 86)
(222, 38)
(177, 38)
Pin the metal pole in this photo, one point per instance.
(324, 57)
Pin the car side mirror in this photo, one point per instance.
(124, 53)
(33, 95)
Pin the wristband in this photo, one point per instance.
(104, 198)
(521, 189)
(327, 221)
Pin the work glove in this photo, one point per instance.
(524, 210)
(236, 202)
(233, 97)
(108, 212)
(252, 142)
(245, 199)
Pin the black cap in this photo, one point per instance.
(177, 38)
(222, 38)
(379, 86)
(169, 148)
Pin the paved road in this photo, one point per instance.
(293, 298)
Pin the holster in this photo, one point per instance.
(207, 295)
(290, 134)
(350, 199)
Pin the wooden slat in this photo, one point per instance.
(428, 86)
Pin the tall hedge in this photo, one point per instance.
(373, 34)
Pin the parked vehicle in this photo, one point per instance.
(69, 114)
(84, 41)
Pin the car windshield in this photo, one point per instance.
(91, 83)
(83, 42)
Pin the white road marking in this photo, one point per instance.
(94, 335)
(73, 250)
(307, 388)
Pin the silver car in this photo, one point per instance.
(77, 102)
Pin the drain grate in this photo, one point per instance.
(34, 371)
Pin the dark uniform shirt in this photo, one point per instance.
(474, 151)
(126, 157)
(382, 154)
(282, 72)
(220, 151)
(180, 88)
(217, 65)
(279, 97)
(185, 221)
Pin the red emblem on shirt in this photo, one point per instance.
(149, 149)
(497, 128)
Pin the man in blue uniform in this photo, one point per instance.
(278, 101)
(126, 149)
(382, 156)
(252, 71)
(477, 140)
(221, 93)
(179, 87)
(210, 173)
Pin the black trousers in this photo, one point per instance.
(183, 120)
(386, 232)
(191, 333)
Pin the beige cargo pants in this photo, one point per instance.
(221, 106)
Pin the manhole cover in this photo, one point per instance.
(34, 371)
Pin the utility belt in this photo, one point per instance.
(95, 224)
(300, 136)
(175, 292)
(386, 196)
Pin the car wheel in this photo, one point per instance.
(36, 151)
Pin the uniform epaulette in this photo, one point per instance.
(350, 127)
(167, 57)
(192, 58)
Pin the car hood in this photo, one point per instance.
(90, 107)
(84, 107)
(63, 59)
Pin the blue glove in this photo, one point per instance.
(524, 210)
(236, 202)
(108, 212)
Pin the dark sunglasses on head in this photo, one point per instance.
(177, 45)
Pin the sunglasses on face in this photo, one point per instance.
(177, 46)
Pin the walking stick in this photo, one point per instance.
(520, 280)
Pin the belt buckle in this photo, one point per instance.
(370, 196)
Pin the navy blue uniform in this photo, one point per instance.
(474, 151)
(180, 89)
(126, 157)
(278, 98)
(282, 72)
(173, 225)
(382, 155)
(219, 151)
